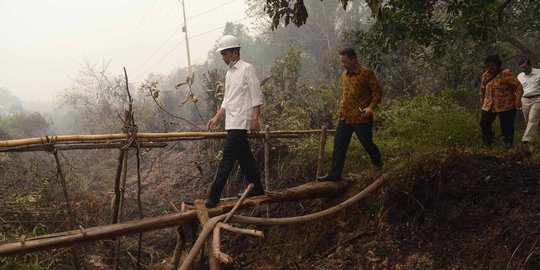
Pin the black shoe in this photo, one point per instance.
(211, 202)
(378, 166)
(327, 177)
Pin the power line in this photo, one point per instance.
(140, 22)
(156, 50)
(217, 28)
(148, 28)
(210, 10)
(161, 59)
(192, 37)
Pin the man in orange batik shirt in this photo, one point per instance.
(500, 95)
(361, 95)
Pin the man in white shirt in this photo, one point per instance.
(241, 105)
(530, 80)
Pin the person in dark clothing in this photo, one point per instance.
(361, 95)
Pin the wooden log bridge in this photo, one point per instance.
(309, 190)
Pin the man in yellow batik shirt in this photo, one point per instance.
(361, 95)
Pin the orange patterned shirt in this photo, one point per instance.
(360, 89)
(500, 92)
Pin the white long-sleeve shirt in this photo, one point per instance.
(530, 83)
(242, 93)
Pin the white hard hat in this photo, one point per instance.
(228, 42)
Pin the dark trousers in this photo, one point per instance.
(236, 149)
(506, 120)
(344, 131)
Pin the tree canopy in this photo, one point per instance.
(516, 22)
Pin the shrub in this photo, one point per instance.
(427, 120)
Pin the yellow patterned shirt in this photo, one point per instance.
(360, 89)
(500, 91)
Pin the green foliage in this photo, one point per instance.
(291, 104)
(28, 261)
(23, 125)
(294, 11)
(427, 120)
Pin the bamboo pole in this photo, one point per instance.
(177, 135)
(79, 146)
(64, 239)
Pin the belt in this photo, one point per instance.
(533, 96)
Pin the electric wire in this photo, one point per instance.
(138, 76)
(147, 29)
(161, 59)
(208, 11)
(155, 51)
(140, 23)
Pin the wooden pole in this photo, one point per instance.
(121, 215)
(180, 242)
(139, 202)
(322, 145)
(70, 215)
(267, 164)
(216, 245)
(203, 216)
(121, 207)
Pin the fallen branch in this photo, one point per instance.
(209, 226)
(203, 216)
(64, 239)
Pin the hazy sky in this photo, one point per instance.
(44, 42)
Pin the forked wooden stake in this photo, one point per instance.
(216, 245)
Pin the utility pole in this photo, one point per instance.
(184, 29)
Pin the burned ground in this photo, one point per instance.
(458, 212)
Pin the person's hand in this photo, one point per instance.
(254, 128)
(211, 123)
(367, 111)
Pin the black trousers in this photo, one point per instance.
(236, 148)
(342, 139)
(506, 120)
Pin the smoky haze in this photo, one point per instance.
(45, 42)
(79, 46)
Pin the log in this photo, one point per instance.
(203, 216)
(209, 226)
(70, 238)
